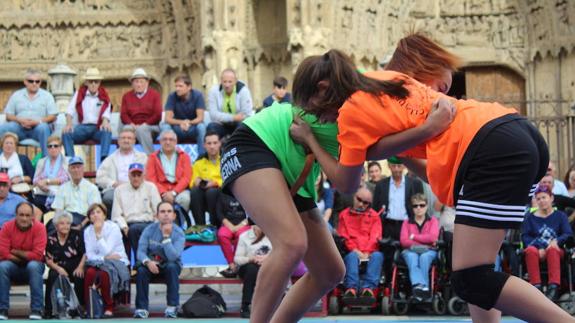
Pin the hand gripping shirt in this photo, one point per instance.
(364, 119)
(272, 127)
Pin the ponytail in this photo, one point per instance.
(342, 80)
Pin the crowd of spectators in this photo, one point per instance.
(88, 229)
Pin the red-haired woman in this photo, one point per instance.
(484, 164)
(421, 58)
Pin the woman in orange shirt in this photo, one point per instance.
(484, 164)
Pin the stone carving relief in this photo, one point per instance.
(125, 42)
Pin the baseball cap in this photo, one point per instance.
(4, 178)
(75, 160)
(394, 160)
(136, 167)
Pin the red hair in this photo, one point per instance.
(421, 58)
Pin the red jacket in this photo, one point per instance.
(33, 240)
(155, 172)
(146, 110)
(360, 231)
(427, 236)
(102, 96)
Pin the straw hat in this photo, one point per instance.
(139, 73)
(93, 73)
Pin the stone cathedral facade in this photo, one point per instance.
(516, 51)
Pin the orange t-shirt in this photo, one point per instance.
(364, 119)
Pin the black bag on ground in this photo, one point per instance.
(205, 302)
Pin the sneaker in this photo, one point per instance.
(3, 315)
(35, 315)
(367, 293)
(350, 293)
(552, 291)
(141, 314)
(171, 312)
(426, 292)
(228, 273)
(419, 292)
(245, 312)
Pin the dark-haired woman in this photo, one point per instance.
(485, 164)
(253, 249)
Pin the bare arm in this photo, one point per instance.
(346, 179)
(439, 119)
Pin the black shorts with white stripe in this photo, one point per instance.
(498, 172)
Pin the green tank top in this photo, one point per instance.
(272, 127)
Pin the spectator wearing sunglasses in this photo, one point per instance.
(30, 111)
(90, 107)
(419, 235)
(360, 227)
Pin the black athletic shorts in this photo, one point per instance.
(499, 171)
(244, 152)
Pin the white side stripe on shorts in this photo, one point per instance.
(532, 190)
(489, 211)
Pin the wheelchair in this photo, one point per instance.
(337, 304)
(566, 299)
(398, 296)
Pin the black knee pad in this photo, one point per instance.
(479, 285)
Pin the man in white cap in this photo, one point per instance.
(77, 195)
(91, 107)
(30, 111)
(135, 205)
(142, 108)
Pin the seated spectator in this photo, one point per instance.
(142, 109)
(92, 109)
(558, 187)
(543, 233)
(234, 222)
(374, 175)
(279, 92)
(161, 247)
(171, 170)
(22, 245)
(253, 248)
(8, 200)
(185, 112)
(206, 181)
(114, 170)
(392, 197)
(65, 256)
(30, 111)
(325, 199)
(419, 235)
(51, 173)
(77, 195)
(18, 166)
(569, 181)
(105, 258)
(135, 205)
(360, 227)
(561, 201)
(229, 103)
